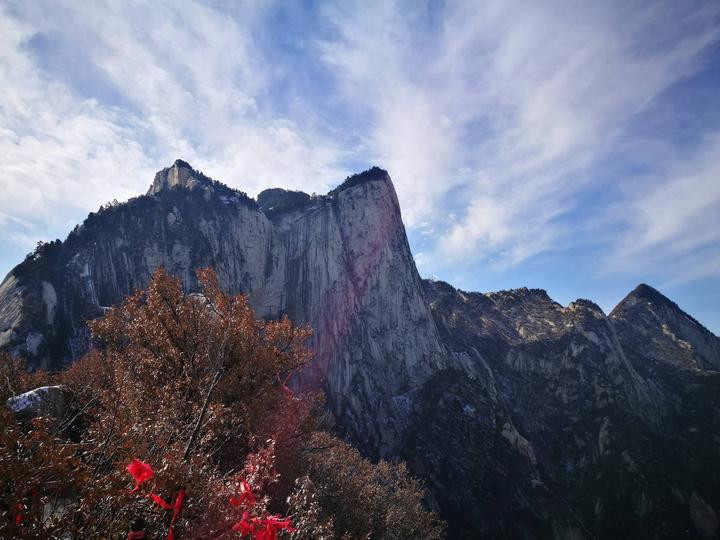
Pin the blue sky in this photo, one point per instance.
(571, 146)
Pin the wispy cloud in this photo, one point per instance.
(532, 124)
(157, 81)
(675, 224)
(503, 109)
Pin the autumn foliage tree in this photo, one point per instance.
(194, 386)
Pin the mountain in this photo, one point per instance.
(339, 262)
(560, 431)
(525, 418)
(656, 330)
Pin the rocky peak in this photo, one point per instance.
(179, 173)
(646, 293)
(587, 304)
(657, 328)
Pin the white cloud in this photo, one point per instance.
(490, 116)
(173, 79)
(502, 112)
(59, 152)
(377, 59)
(674, 226)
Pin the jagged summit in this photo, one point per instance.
(182, 163)
(650, 294)
(679, 340)
(587, 303)
(646, 294)
(180, 174)
(522, 294)
(270, 201)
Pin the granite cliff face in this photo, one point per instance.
(526, 418)
(339, 262)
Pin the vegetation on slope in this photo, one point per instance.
(193, 386)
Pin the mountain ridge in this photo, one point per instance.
(543, 420)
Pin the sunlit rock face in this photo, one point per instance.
(525, 418)
(339, 262)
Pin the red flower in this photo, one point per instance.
(245, 495)
(140, 472)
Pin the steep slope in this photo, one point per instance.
(603, 456)
(340, 263)
(654, 329)
(670, 347)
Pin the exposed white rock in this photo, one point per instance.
(49, 296)
(11, 309)
(40, 401)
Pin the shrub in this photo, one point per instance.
(192, 387)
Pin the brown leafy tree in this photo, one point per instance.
(359, 499)
(192, 385)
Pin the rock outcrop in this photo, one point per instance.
(526, 419)
(42, 401)
(659, 333)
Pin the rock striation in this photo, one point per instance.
(525, 418)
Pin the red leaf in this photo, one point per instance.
(270, 527)
(245, 495)
(160, 502)
(140, 472)
(175, 506)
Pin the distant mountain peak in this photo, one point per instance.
(180, 173)
(678, 338)
(182, 163)
(645, 293)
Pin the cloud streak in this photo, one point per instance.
(509, 106)
(512, 130)
(164, 80)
